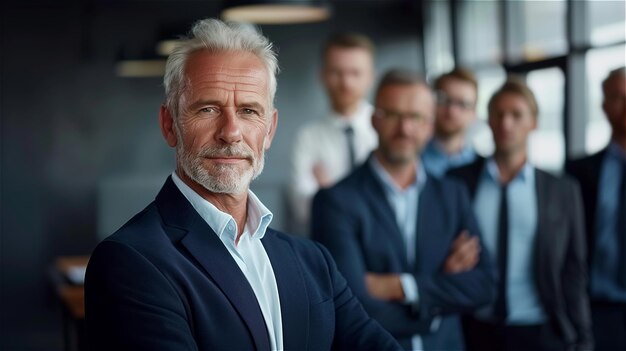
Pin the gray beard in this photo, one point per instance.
(225, 178)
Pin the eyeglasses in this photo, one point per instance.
(444, 100)
(395, 116)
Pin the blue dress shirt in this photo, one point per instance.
(405, 205)
(604, 270)
(524, 306)
(437, 162)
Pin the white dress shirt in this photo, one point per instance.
(249, 253)
(324, 142)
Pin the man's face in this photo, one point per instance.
(614, 104)
(511, 121)
(403, 121)
(456, 107)
(347, 75)
(225, 121)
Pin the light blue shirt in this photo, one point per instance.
(248, 253)
(405, 205)
(524, 306)
(438, 162)
(604, 270)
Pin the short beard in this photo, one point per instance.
(397, 159)
(223, 178)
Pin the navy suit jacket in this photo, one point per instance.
(165, 281)
(355, 222)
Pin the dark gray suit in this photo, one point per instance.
(560, 267)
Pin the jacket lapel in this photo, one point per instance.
(381, 209)
(543, 237)
(205, 246)
(429, 233)
(294, 301)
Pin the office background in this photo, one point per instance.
(81, 149)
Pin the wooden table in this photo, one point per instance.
(72, 298)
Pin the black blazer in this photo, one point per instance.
(165, 281)
(587, 171)
(355, 222)
(559, 265)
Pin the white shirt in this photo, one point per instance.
(249, 253)
(324, 142)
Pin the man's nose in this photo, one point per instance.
(407, 125)
(229, 129)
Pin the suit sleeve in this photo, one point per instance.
(574, 277)
(130, 305)
(444, 293)
(354, 329)
(337, 228)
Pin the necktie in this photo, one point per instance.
(620, 229)
(350, 140)
(500, 307)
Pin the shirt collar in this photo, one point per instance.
(388, 182)
(525, 175)
(435, 147)
(259, 216)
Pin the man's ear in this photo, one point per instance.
(271, 131)
(166, 121)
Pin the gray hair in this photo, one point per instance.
(216, 36)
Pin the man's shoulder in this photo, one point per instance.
(563, 182)
(444, 189)
(466, 170)
(352, 184)
(142, 230)
(579, 163)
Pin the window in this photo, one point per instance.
(606, 22)
(531, 38)
(479, 39)
(536, 29)
(548, 85)
(439, 39)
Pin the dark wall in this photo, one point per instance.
(69, 127)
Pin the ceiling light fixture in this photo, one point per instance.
(276, 11)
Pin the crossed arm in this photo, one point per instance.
(464, 282)
(463, 257)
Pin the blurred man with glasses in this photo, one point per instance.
(456, 93)
(406, 242)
